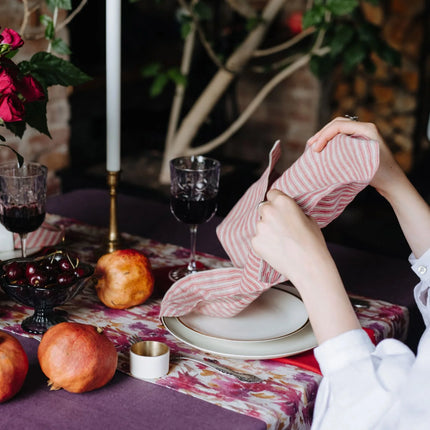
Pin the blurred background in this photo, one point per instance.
(394, 96)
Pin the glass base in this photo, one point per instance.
(40, 321)
(181, 272)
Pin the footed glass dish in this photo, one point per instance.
(55, 280)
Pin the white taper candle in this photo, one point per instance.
(113, 85)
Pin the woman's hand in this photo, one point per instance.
(389, 172)
(287, 239)
(390, 181)
(293, 244)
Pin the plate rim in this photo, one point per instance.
(275, 287)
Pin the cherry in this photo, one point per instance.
(80, 272)
(14, 271)
(30, 270)
(38, 280)
(65, 264)
(65, 278)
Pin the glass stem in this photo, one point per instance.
(23, 238)
(193, 239)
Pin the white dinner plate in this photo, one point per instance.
(276, 313)
(299, 341)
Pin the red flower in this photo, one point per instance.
(11, 108)
(12, 38)
(7, 84)
(30, 89)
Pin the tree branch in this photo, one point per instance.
(251, 108)
(180, 89)
(286, 45)
(243, 8)
(72, 15)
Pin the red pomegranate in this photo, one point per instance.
(13, 366)
(77, 357)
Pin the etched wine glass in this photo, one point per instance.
(194, 183)
(22, 198)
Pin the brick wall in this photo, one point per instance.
(54, 153)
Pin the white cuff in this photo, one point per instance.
(340, 351)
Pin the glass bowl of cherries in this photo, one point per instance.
(43, 283)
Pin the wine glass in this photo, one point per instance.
(194, 183)
(22, 198)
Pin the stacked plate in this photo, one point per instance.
(275, 325)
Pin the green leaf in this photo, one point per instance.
(342, 7)
(253, 22)
(150, 70)
(342, 37)
(368, 33)
(60, 46)
(388, 54)
(17, 128)
(314, 16)
(176, 76)
(61, 4)
(52, 70)
(158, 85)
(353, 57)
(35, 116)
(19, 157)
(49, 26)
(203, 11)
(321, 66)
(185, 29)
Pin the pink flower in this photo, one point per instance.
(11, 108)
(7, 84)
(11, 38)
(30, 89)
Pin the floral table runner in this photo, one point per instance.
(284, 400)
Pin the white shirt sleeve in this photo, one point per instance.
(384, 387)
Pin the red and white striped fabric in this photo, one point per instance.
(322, 184)
(46, 235)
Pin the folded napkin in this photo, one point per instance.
(322, 184)
(45, 235)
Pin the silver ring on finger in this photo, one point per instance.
(352, 117)
(258, 208)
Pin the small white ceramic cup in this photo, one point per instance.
(149, 359)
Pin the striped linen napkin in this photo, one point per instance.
(45, 235)
(322, 184)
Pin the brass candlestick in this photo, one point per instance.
(112, 181)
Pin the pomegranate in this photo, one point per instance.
(77, 357)
(125, 279)
(13, 366)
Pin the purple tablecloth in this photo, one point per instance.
(125, 403)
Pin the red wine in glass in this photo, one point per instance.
(22, 198)
(22, 218)
(193, 199)
(193, 212)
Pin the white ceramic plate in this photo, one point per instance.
(275, 314)
(299, 341)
